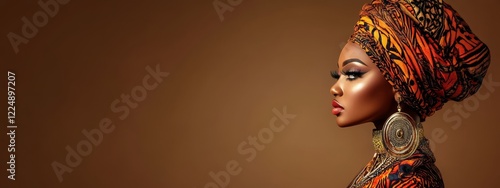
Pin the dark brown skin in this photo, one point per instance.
(362, 90)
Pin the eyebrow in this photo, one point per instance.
(347, 61)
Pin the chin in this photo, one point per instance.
(349, 121)
(342, 123)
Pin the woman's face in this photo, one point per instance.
(361, 94)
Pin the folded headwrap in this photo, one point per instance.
(424, 49)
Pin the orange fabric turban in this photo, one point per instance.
(424, 49)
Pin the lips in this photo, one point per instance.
(337, 108)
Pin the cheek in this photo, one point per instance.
(368, 91)
(362, 90)
(369, 96)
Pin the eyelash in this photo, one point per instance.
(335, 74)
(351, 74)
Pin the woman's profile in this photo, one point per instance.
(403, 62)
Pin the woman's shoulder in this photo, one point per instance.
(413, 172)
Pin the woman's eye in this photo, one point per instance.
(352, 75)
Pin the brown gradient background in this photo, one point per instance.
(225, 79)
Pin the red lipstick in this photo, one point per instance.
(337, 108)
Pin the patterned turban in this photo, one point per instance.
(424, 49)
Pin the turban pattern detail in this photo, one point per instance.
(424, 49)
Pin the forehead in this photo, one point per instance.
(352, 50)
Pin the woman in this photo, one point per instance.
(404, 60)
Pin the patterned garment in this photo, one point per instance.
(424, 49)
(384, 171)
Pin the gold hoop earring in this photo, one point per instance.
(400, 134)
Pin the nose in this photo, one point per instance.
(336, 90)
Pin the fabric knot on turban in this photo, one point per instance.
(424, 49)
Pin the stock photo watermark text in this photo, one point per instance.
(94, 137)
(11, 124)
(222, 6)
(250, 148)
(463, 110)
(32, 24)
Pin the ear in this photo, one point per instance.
(397, 96)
